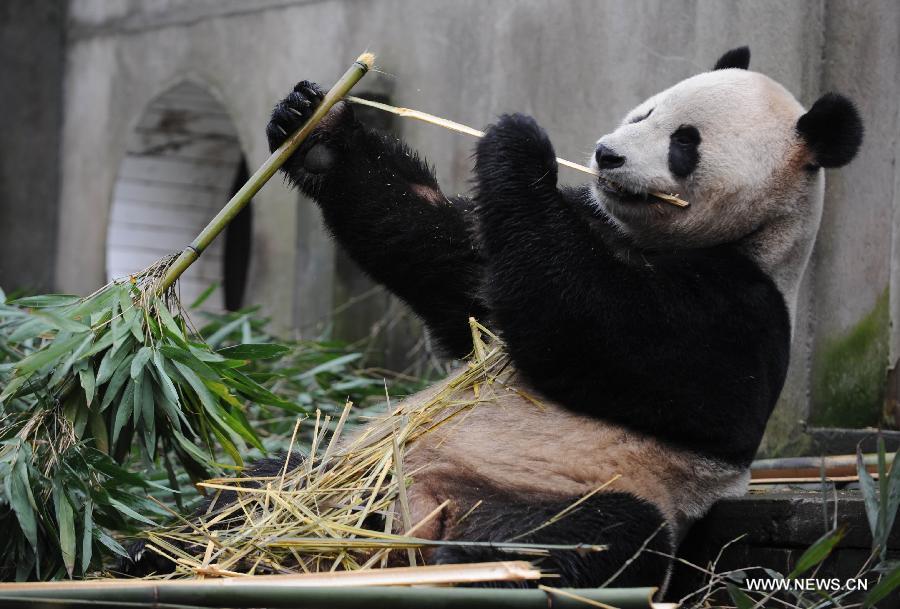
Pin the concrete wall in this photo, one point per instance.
(577, 66)
(31, 48)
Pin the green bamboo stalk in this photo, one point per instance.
(243, 196)
(245, 594)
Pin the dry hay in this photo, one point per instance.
(313, 518)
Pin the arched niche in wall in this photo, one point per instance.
(182, 163)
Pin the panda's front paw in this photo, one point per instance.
(317, 153)
(515, 150)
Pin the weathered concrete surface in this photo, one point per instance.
(774, 529)
(577, 66)
(32, 52)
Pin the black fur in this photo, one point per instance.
(735, 58)
(382, 202)
(684, 151)
(832, 129)
(687, 346)
(631, 529)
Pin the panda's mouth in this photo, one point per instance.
(622, 193)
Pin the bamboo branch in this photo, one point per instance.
(243, 196)
(460, 128)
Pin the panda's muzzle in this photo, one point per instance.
(620, 192)
(607, 158)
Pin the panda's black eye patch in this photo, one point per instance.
(640, 118)
(684, 153)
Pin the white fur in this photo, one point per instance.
(751, 185)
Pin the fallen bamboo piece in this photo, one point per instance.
(517, 570)
(837, 468)
(460, 128)
(252, 593)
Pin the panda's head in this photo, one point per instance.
(733, 143)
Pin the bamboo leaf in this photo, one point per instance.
(88, 383)
(48, 354)
(30, 329)
(148, 414)
(817, 552)
(739, 597)
(254, 351)
(204, 295)
(191, 448)
(227, 445)
(167, 320)
(87, 537)
(12, 388)
(110, 543)
(165, 382)
(130, 512)
(18, 490)
(61, 372)
(136, 326)
(124, 410)
(99, 431)
(105, 340)
(46, 300)
(888, 584)
(870, 495)
(110, 362)
(331, 366)
(61, 323)
(118, 379)
(65, 520)
(222, 333)
(208, 401)
(140, 360)
(185, 357)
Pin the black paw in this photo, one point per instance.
(320, 150)
(516, 148)
(143, 561)
(291, 112)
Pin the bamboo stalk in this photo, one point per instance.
(513, 570)
(460, 128)
(243, 196)
(249, 592)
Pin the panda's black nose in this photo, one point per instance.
(607, 158)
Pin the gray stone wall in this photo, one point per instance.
(32, 54)
(576, 65)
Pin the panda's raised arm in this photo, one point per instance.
(631, 336)
(384, 206)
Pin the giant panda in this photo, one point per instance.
(655, 338)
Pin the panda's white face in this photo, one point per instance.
(725, 141)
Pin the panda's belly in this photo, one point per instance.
(514, 445)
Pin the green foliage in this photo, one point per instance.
(882, 506)
(89, 384)
(113, 404)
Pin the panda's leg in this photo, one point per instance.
(637, 539)
(383, 204)
(143, 561)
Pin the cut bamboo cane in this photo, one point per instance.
(254, 592)
(460, 128)
(514, 570)
(838, 468)
(243, 196)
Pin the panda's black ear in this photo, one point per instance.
(832, 130)
(735, 58)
